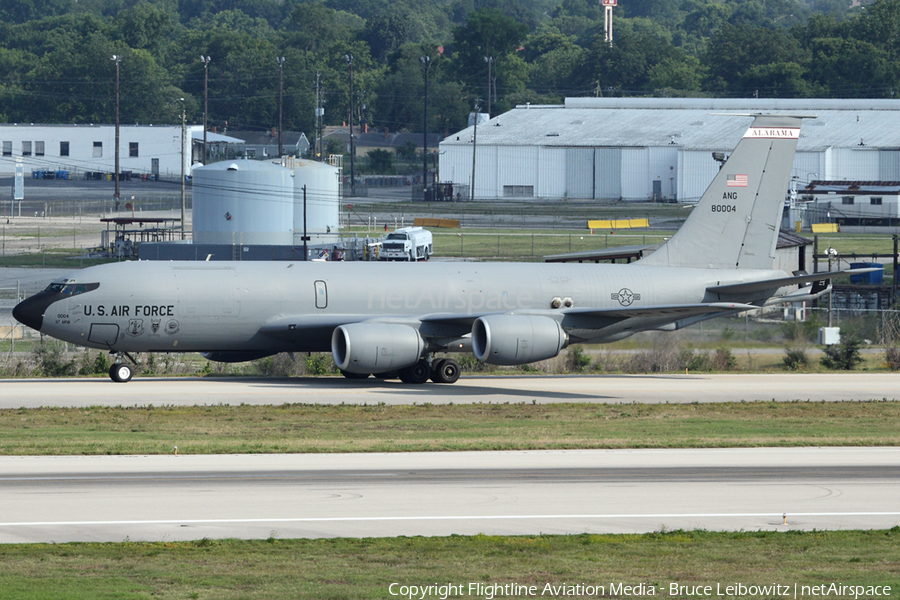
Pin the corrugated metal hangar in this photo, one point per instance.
(658, 148)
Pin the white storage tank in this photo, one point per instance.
(243, 202)
(322, 183)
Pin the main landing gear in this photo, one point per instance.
(121, 372)
(445, 370)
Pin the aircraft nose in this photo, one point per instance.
(31, 310)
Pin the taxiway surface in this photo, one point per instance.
(100, 498)
(142, 391)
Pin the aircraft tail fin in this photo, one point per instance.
(735, 225)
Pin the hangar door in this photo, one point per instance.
(608, 169)
(579, 172)
(889, 165)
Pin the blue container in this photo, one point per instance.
(872, 278)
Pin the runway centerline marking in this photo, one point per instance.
(451, 518)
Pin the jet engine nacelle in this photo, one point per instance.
(375, 347)
(516, 339)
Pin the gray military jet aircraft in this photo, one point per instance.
(390, 319)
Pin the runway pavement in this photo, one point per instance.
(102, 498)
(142, 391)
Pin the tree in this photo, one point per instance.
(381, 161)
(385, 34)
(740, 60)
(487, 33)
(844, 356)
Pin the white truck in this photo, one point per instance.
(407, 243)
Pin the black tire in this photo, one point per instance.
(388, 375)
(121, 373)
(445, 371)
(350, 375)
(417, 374)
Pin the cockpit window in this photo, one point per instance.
(71, 289)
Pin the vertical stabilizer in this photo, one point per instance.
(735, 225)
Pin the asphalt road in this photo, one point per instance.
(99, 498)
(142, 391)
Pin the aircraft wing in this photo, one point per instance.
(436, 325)
(460, 324)
(670, 310)
(770, 284)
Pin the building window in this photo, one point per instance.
(251, 152)
(875, 201)
(133, 149)
(847, 200)
(7, 148)
(64, 148)
(26, 148)
(98, 149)
(39, 148)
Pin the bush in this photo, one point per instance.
(844, 356)
(320, 363)
(802, 331)
(577, 360)
(795, 359)
(892, 358)
(381, 161)
(692, 361)
(51, 360)
(721, 360)
(94, 364)
(662, 358)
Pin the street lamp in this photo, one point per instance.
(117, 58)
(280, 61)
(349, 58)
(490, 61)
(182, 160)
(205, 60)
(426, 63)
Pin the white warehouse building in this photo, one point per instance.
(658, 148)
(79, 149)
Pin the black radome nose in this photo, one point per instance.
(31, 310)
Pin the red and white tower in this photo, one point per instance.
(607, 18)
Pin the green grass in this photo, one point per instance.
(365, 568)
(52, 258)
(508, 245)
(314, 428)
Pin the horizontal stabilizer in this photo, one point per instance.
(750, 287)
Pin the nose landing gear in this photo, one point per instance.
(121, 372)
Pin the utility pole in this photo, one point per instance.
(280, 61)
(349, 58)
(183, 115)
(117, 58)
(426, 63)
(205, 60)
(305, 237)
(319, 112)
(490, 61)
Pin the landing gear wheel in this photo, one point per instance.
(445, 371)
(121, 373)
(350, 375)
(418, 373)
(388, 375)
